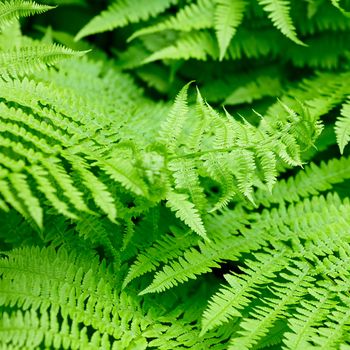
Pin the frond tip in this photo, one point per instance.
(14, 9)
(278, 12)
(28, 59)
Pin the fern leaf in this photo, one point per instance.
(40, 175)
(173, 125)
(186, 178)
(263, 317)
(31, 203)
(337, 4)
(14, 9)
(310, 315)
(121, 13)
(165, 249)
(194, 16)
(198, 45)
(99, 191)
(123, 171)
(186, 211)
(311, 181)
(227, 302)
(10, 198)
(342, 127)
(71, 192)
(335, 332)
(278, 11)
(227, 17)
(262, 86)
(180, 271)
(194, 262)
(26, 60)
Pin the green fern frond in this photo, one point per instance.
(335, 331)
(29, 59)
(173, 125)
(29, 329)
(278, 12)
(194, 16)
(123, 12)
(196, 262)
(342, 127)
(198, 45)
(261, 87)
(263, 317)
(227, 18)
(162, 251)
(186, 211)
(309, 316)
(227, 302)
(14, 9)
(308, 182)
(186, 178)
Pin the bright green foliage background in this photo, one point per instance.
(174, 174)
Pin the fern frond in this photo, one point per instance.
(227, 302)
(162, 251)
(173, 125)
(186, 211)
(254, 90)
(24, 60)
(121, 13)
(99, 191)
(29, 329)
(342, 127)
(123, 171)
(194, 16)
(20, 185)
(198, 45)
(308, 182)
(227, 18)
(186, 178)
(263, 317)
(194, 262)
(278, 12)
(335, 331)
(308, 317)
(14, 9)
(337, 4)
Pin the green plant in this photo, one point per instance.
(132, 221)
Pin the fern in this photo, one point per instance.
(29, 59)
(228, 16)
(278, 11)
(136, 215)
(121, 13)
(14, 9)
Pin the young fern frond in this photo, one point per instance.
(14, 9)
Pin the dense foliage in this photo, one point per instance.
(174, 174)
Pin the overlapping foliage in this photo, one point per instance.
(136, 212)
